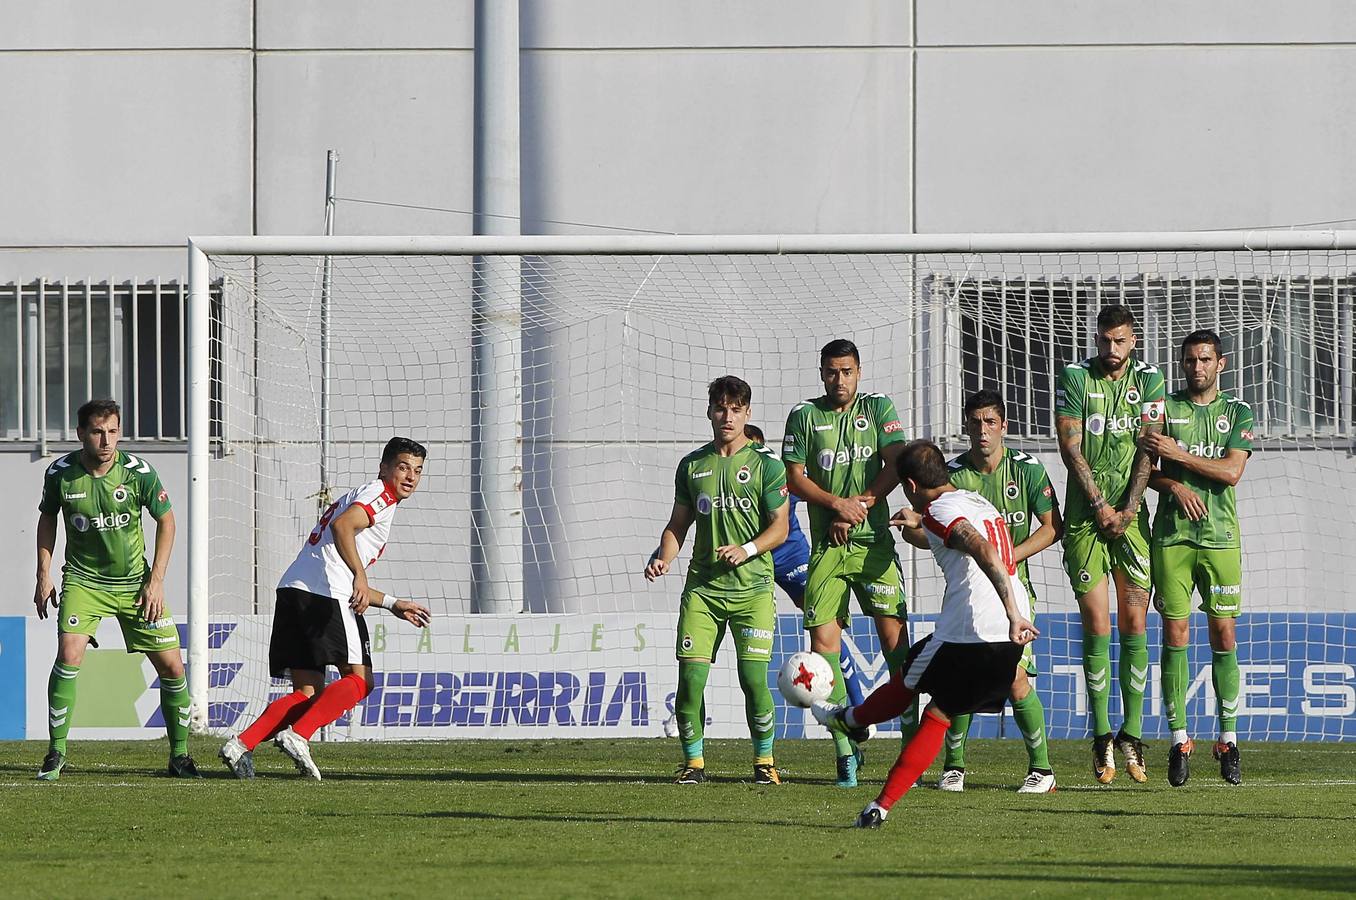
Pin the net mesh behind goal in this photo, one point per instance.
(557, 394)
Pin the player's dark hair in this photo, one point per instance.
(97, 409)
(729, 389)
(922, 460)
(398, 445)
(754, 433)
(1114, 317)
(837, 349)
(983, 400)
(1203, 336)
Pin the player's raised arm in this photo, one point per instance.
(344, 527)
(45, 591)
(670, 541)
(964, 537)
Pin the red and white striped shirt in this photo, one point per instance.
(972, 611)
(318, 568)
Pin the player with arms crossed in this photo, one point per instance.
(318, 620)
(967, 663)
(1102, 405)
(100, 492)
(791, 566)
(1205, 445)
(1018, 487)
(735, 490)
(839, 452)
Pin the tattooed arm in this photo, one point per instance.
(965, 538)
(1070, 431)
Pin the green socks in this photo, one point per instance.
(61, 705)
(1097, 677)
(955, 743)
(841, 745)
(1134, 678)
(174, 704)
(687, 706)
(1175, 677)
(1224, 672)
(1029, 714)
(758, 708)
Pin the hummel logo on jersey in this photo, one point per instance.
(1138, 678)
(1097, 681)
(80, 496)
(823, 427)
(1098, 396)
(701, 474)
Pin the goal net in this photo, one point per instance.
(556, 389)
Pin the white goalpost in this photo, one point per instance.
(557, 381)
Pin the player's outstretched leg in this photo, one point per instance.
(1224, 674)
(690, 711)
(761, 715)
(913, 761)
(60, 705)
(953, 763)
(1134, 675)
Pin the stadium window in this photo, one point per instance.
(1288, 339)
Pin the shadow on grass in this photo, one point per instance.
(582, 819)
(1100, 871)
(1211, 813)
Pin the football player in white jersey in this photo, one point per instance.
(966, 664)
(318, 620)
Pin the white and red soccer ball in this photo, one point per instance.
(804, 678)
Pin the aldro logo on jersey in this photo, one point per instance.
(706, 504)
(1203, 450)
(106, 522)
(828, 457)
(1098, 423)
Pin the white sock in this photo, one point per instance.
(874, 805)
(1228, 737)
(1179, 736)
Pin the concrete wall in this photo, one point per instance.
(764, 116)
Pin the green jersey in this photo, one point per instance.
(1019, 489)
(1210, 432)
(733, 498)
(105, 546)
(841, 452)
(1111, 413)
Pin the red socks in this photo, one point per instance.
(278, 715)
(914, 760)
(331, 703)
(885, 703)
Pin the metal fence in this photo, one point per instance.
(67, 342)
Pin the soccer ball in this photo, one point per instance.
(805, 677)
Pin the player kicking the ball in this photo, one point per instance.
(967, 663)
(1201, 454)
(318, 620)
(735, 490)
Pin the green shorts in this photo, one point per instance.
(703, 618)
(871, 571)
(84, 607)
(1089, 556)
(1216, 574)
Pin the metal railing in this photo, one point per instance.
(67, 342)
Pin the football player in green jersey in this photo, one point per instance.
(100, 492)
(1205, 445)
(735, 490)
(1102, 405)
(1018, 486)
(840, 451)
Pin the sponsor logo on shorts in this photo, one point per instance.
(743, 475)
(687, 642)
(165, 639)
(80, 496)
(887, 590)
(892, 427)
(72, 621)
(1084, 576)
(1011, 491)
(1226, 590)
(120, 494)
(756, 634)
(758, 651)
(166, 622)
(861, 423)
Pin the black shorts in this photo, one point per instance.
(312, 632)
(962, 678)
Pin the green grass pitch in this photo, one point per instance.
(598, 818)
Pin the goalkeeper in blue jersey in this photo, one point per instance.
(791, 568)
